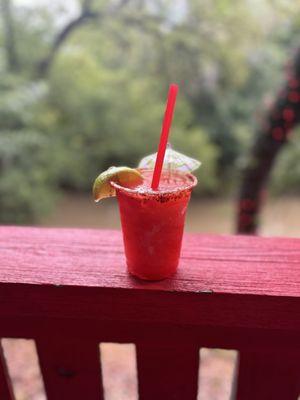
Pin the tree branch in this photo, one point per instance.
(272, 136)
(86, 15)
(44, 65)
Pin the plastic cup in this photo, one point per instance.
(153, 223)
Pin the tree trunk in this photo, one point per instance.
(9, 36)
(283, 116)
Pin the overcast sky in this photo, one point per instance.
(70, 7)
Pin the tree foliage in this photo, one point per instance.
(84, 88)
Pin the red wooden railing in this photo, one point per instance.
(68, 289)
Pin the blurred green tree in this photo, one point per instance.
(84, 89)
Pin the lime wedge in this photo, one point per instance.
(125, 176)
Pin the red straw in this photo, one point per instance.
(164, 135)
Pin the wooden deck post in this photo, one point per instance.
(70, 367)
(268, 375)
(168, 372)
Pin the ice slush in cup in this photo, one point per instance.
(153, 223)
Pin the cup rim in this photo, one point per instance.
(151, 192)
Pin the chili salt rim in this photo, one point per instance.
(150, 192)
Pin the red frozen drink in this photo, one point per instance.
(153, 222)
(152, 204)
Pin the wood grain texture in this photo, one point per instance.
(97, 329)
(240, 285)
(82, 257)
(268, 376)
(70, 367)
(6, 391)
(168, 372)
(66, 287)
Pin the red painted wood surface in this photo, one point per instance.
(83, 257)
(226, 282)
(70, 367)
(168, 372)
(6, 391)
(59, 285)
(268, 376)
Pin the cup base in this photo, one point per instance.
(151, 277)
